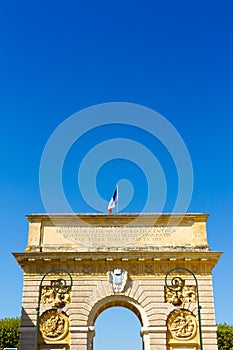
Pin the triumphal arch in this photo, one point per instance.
(157, 265)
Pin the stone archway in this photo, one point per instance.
(118, 260)
(113, 301)
(117, 300)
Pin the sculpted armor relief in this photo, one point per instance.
(186, 295)
(48, 296)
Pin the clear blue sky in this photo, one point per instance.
(60, 57)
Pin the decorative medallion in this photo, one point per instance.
(117, 278)
(182, 325)
(54, 326)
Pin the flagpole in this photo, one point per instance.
(117, 198)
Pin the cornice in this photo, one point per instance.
(120, 219)
(28, 257)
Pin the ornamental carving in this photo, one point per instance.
(182, 325)
(149, 268)
(117, 278)
(54, 326)
(49, 296)
(99, 267)
(186, 295)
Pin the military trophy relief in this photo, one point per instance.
(54, 324)
(117, 279)
(182, 324)
(181, 297)
(54, 299)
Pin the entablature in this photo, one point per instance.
(99, 263)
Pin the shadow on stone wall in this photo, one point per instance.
(27, 332)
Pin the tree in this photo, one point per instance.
(9, 332)
(225, 337)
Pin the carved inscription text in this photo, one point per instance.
(103, 236)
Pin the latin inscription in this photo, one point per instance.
(117, 235)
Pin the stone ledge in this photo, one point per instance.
(147, 330)
(84, 329)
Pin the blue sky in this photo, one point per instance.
(60, 57)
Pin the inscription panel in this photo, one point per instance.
(103, 236)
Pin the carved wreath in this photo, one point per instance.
(54, 326)
(182, 325)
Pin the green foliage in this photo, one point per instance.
(225, 337)
(9, 333)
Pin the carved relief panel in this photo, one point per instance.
(182, 325)
(54, 326)
(58, 300)
(186, 295)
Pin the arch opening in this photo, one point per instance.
(117, 327)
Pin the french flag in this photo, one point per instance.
(113, 201)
